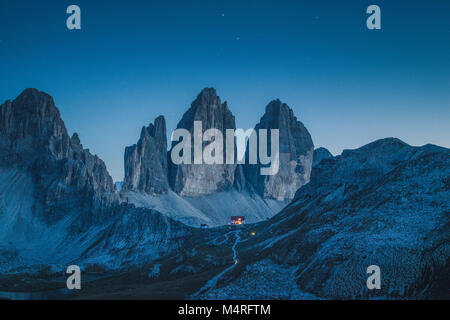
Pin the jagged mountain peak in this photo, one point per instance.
(295, 154)
(34, 137)
(75, 143)
(207, 93)
(157, 129)
(320, 154)
(209, 109)
(276, 109)
(146, 168)
(75, 138)
(33, 95)
(196, 179)
(32, 122)
(294, 137)
(34, 103)
(207, 98)
(323, 150)
(33, 92)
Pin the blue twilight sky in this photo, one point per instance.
(134, 60)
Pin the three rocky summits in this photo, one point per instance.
(31, 129)
(385, 203)
(148, 168)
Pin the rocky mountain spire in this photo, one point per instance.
(29, 123)
(196, 179)
(146, 167)
(296, 154)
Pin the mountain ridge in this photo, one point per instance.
(362, 208)
(195, 186)
(385, 203)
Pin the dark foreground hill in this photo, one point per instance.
(385, 204)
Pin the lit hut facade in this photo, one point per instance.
(237, 220)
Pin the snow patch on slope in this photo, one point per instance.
(213, 210)
(169, 204)
(25, 240)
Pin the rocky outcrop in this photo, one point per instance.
(197, 193)
(146, 167)
(199, 179)
(59, 205)
(34, 138)
(385, 204)
(29, 125)
(87, 172)
(320, 154)
(295, 154)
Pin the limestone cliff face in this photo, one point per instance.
(197, 179)
(88, 172)
(29, 124)
(34, 138)
(146, 167)
(58, 204)
(296, 154)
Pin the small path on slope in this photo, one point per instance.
(212, 283)
(227, 236)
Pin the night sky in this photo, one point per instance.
(135, 60)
